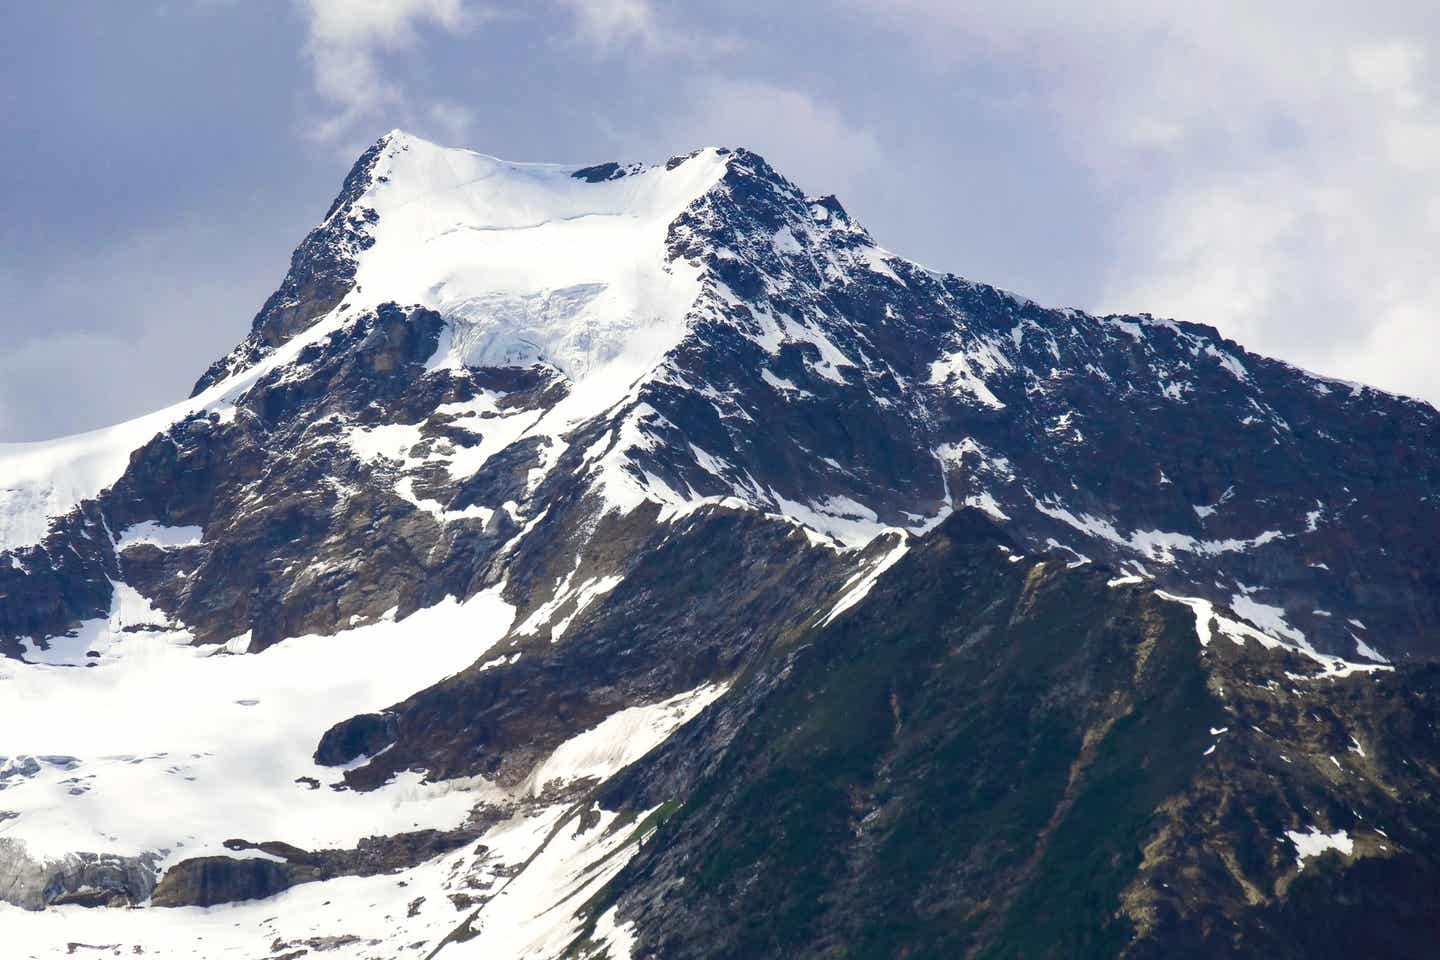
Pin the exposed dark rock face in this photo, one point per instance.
(880, 388)
(322, 271)
(362, 736)
(1221, 472)
(996, 759)
(696, 605)
(1011, 745)
(207, 881)
(52, 586)
(601, 172)
(276, 488)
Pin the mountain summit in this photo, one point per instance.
(527, 261)
(638, 560)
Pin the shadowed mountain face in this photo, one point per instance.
(642, 559)
(987, 758)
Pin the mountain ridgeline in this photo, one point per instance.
(639, 561)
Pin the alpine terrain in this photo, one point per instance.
(641, 562)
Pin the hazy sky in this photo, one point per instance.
(1266, 168)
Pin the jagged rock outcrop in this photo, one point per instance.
(322, 271)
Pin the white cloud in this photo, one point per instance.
(611, 23)
(1390, 70)
(348, 36)
(349, 39)
(453, 120)
(609, 27)
(805, 138)
(1271, 164)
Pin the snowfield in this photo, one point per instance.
(166, 748)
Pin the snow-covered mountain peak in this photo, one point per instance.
(484, 191)
(525, 467)
(572, 267)
(529, 262)
(551, 261)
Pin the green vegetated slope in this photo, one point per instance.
(1009, 759)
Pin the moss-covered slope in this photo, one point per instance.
(999, 757)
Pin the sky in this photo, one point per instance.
(1268, 169)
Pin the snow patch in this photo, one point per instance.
(248, 725)
(1208, 621)
(617, 940)
(158, 535)
(1314, 842)
(622, 738)
(1157, 545)
(1367, 651)
(865, 580)
(966, 368)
